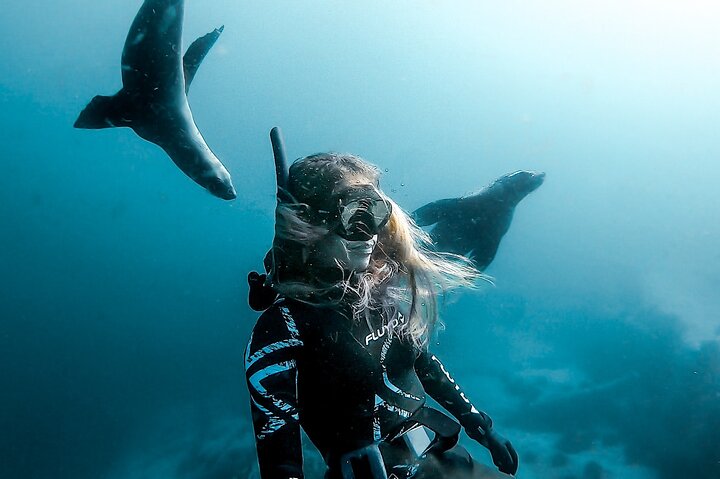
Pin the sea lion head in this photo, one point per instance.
(222, 188)
(519, 184)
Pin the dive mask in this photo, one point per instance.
(360, 213)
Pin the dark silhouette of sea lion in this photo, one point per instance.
(473, 225)
(153, 99)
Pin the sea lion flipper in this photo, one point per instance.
(196, 53)
(486, 254)
(102, 112)
(433, 212)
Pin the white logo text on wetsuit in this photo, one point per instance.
(385, 329)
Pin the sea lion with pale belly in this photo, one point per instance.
(153, 99)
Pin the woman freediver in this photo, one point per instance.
(343, 351)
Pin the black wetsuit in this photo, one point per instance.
(347, 383)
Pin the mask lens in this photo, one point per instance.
(362, 218)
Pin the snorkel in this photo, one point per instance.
(281, 168)
(262, 295)
(283, 196)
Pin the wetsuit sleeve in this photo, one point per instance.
(438, 383)
(271, 373)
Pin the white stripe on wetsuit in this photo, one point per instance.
(457, 388)
(270, 348)
(386, 379)
(274, 421)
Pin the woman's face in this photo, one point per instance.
(333, 251)
(357, 212)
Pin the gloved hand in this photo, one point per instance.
(479, 427)
(260, 296)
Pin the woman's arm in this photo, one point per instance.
(271, 372)
(438, 383)
(442, 387)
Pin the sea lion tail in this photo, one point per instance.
(102, 112)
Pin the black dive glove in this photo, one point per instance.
(260, 295)
(478, 426)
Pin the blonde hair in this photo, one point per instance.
(405, 274)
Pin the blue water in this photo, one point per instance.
(123, 296)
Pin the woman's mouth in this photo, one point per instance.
(362, 247)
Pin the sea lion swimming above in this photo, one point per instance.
(474, 225)
(153, 99)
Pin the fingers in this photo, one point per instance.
(503, 461)
(255, 277)
(502, 451)
(505, 457)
